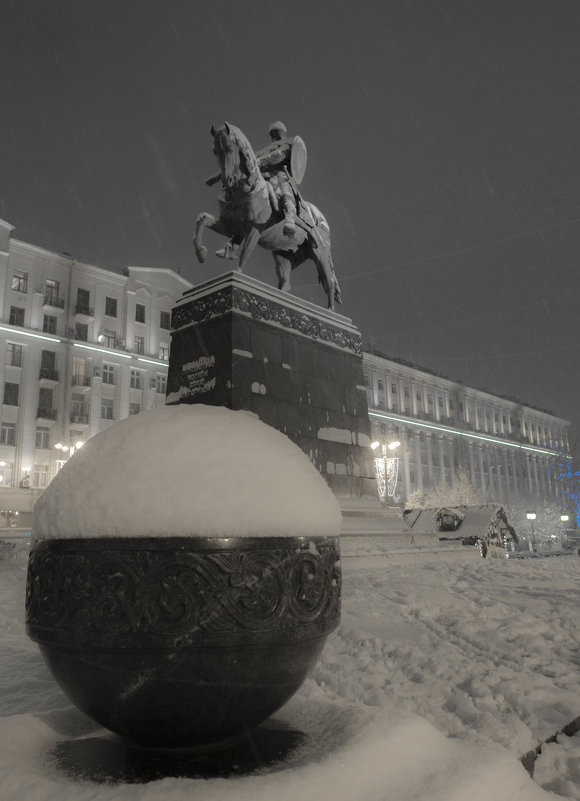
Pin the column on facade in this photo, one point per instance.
(535, 474)
(406, 470)
(429, 447)
(418, 465)
(441, 459)
(481, 473)
(451, 450)
(471, 464)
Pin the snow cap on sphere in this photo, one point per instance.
(188, 470)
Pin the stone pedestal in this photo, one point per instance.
(239, 343)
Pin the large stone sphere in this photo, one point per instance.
(173, 606)
(182, 642)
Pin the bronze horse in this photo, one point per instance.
(247, 214)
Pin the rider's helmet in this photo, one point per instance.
(278, 126)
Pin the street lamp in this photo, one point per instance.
(386, 469)
(531, 516)
(70, 449)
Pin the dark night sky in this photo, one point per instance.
(443, 148)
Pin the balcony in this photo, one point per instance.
(84, 310)
(48, 375)
(46, 414)
(82, 381)
(52, 300)
(79, 419)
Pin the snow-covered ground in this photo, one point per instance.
(446, 668)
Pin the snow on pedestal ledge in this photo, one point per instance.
(188, 470)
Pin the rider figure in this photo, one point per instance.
(274, 163)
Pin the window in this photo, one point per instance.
(14, 354)
(111, 307)
(110, 338)
(81, 331)
(140, 344)
(11, 393)
(7, 434)
(394, 389)
(42, 437)
(40, 476)
(380, 385)
(418, 396)
(383, 429)
(49, 324)
(165, 320)
(136, 379)
(107, 408)
(83, 302)
(51, 292)
(161, 383)
(78, 411)
(407, 392)
(6, 472)
(19, 281)
(48, 365)
(16, 315)
(139, 313)
(45, 398)
(134, 408)
(367, 380)
(108, 374)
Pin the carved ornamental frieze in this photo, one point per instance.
(235, 299)
(178, 594)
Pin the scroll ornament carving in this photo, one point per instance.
(181, 596)
(234, 299)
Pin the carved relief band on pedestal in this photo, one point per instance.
(231, 299)
(182, 591)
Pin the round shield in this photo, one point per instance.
(298, 159)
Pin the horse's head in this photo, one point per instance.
(234, 154)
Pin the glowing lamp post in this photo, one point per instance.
(386, 469)
(531, 516)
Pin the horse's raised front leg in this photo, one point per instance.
(204, 221)
(283, 271)
(248, 246)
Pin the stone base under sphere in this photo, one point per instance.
(181, 642)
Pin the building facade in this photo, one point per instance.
(80, 347)
(504, 447)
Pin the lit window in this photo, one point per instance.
(16, 315)
(140, 344)
(6, 472)
(165, 320)
(40, 476)
(161, 383)
(136, 379)
(139, 313)
(19, 281)
(42, 437)
(7, 434)
(107, 408)
(14, 354)
(164, 352)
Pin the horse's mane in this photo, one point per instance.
(248, 161)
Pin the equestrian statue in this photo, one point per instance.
(260, 204)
